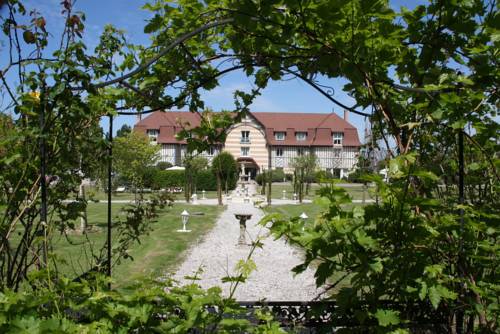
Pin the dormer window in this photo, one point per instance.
(279, 135)
(338, 137)
(301, 136)
(153, 134)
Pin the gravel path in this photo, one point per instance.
(218, 254)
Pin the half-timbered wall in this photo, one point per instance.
(336, 157)
(328, 157)
(167, 153)
(175, 153)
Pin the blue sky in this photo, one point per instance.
(284, 96)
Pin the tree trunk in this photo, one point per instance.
(219, 188)
(301, 185)
(187, 186)
(83, 218)
(269, 186)
(263, 186)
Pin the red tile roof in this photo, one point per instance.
(170, 123)
(319, 127)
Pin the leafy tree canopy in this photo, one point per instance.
(133, 155)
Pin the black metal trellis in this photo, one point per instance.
(43, 182)
(461, 200)
(110, 172)
(327, 316)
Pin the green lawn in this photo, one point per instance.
(294, 210)
(356, 191)
(160, 250)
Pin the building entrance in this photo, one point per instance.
(248, 168)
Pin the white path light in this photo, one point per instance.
(303, 217)
(185, 219)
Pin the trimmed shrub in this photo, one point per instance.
(205, 180)
(258, 179)
(162, 165)
(168, 178)
(356, 176)
(278, 176)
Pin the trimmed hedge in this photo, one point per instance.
(168, 179)
(278, 176)
(205, 180)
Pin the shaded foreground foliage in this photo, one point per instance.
(65, 306)
(406, 249)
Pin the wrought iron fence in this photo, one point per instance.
(317, 317)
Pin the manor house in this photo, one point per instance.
(264, 140)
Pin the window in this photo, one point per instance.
(211, 151)
(279, 135)
(279, 152)
(245, 137)
(300, 136)
(245, 151)
(300, 151)
(153, 134)
(337, 138)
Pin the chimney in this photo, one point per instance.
(346, 115)
(138, 117)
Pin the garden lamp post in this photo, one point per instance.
(185, 218)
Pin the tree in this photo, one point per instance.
(193, 165)
(225, 168)
(304, 167)
(133, 155)
(123, 131)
